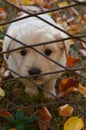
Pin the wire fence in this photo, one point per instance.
(80, 37)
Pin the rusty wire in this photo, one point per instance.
(38, 16)
(76, 37)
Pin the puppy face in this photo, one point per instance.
(31, 63)
(28, 62)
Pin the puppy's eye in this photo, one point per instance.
(23, 52)
(48, 52)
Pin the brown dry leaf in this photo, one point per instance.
(79, 19)
(82, 49)
(82, 90)
(3, 69)
(45, 3)
(83, 45)
(17, 2)
(73, 28)
(45, 116)
(42, 126)
(72, 10)
(38, 2)
(84, 17)
(65, 110)
(1, 42)
(3, 14)
(71, 61)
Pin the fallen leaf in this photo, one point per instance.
(1, 42)
(65, 110)
(45, 116)
(3, 14)
(44, 3)
(28, 2)
(61, 4)
(83, 45)
(42, 126)
(4, 113)
(82, 49)
(82, 90)
(71, 42)
(64, 93)
(68, 83)
(72, 10)
(3, 69)
(2, 93)
(12, 129)
(74, 123)
(17, 2)
(71, 61)
(6, 74)
(82, 52)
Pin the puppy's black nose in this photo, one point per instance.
(34, 71)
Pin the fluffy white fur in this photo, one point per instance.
(32, 31)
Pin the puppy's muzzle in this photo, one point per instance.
(34, 72)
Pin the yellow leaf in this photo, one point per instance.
(28, 2)
(65, 110)
(2, 93)
(64, 3)
(74, 123)
(73, 28)
(13, 129)
(71, 42)
(1, 28)
(82, 90)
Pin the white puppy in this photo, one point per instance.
(27, 62)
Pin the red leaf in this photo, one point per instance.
(5, 113)
(71, 61)
(67, 83)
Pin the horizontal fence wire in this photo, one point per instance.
(58, 101)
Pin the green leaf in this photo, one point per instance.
(1, 36)
(20, 127)
(6, 128)
(11, 120)
(19, 115)
(30, 120)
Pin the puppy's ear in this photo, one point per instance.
(67, 46)
(6, 46)
(64, 44)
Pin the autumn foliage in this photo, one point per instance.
(74, 23)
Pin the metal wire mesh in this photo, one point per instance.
(80, 37)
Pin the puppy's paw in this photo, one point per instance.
(31, 91)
